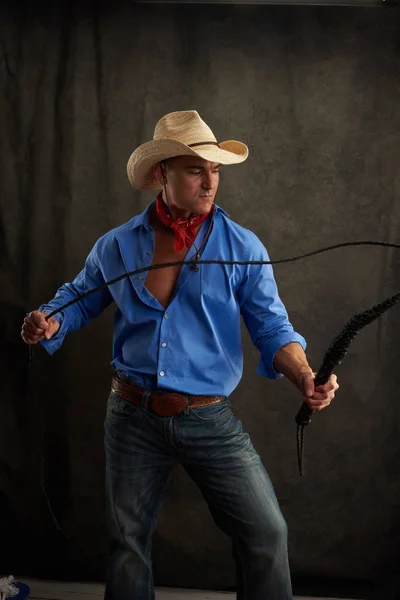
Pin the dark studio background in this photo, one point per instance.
(315, 93)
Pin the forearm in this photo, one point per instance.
(80, 313)
(75, 316)
(70, 320)
(291, 361)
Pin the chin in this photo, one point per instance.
(204, 205)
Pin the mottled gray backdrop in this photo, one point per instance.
(315, 94)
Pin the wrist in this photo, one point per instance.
(291, 361)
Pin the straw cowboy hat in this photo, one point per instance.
(180, 133)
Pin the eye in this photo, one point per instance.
(195, 172)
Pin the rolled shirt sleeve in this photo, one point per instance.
(79, 314)
(263, 311)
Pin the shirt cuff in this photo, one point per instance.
(55, 342)
(266, 365)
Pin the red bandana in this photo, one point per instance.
(181, 226)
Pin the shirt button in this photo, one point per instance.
(162, 373)
(166, 316)
(149, 252)
(163, 344)
(140, 277)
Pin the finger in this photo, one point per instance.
(39, 320)
(310, 405)
(36, 321)
(32, 330)
(32, 335)
(320, 397)
(323, 400)
(35, 334)
(30, 327)
(54, 326)
(325, 405)
(31, 339)
(327, 387)
(326, 390)
(318, 405)
(312, 402)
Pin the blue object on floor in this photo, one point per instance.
(23, 591)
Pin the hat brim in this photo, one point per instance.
(142, 160)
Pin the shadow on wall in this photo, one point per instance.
(25, 438)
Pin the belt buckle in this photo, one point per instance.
(168, 405)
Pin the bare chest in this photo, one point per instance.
(161, 282)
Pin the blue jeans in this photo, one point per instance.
(141, 450)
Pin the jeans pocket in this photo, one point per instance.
(213, 412)
(118, 408)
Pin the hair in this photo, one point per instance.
(166, 162)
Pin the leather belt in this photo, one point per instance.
(164, 405)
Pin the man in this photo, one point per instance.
(177, 357)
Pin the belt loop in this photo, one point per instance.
(187, 409)
(144, 400)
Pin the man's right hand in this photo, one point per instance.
(36, 328)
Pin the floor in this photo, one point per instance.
(56, 590)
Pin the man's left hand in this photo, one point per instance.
(318, 397)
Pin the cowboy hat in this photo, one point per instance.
(180, 133)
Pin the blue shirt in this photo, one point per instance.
(194, 345)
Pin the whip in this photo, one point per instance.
(333, 356)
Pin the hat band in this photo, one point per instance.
(203, 144)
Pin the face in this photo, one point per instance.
(192, 184)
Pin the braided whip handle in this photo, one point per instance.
(333, 357)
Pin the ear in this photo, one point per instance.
(158, 174)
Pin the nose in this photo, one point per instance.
(207, 182)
